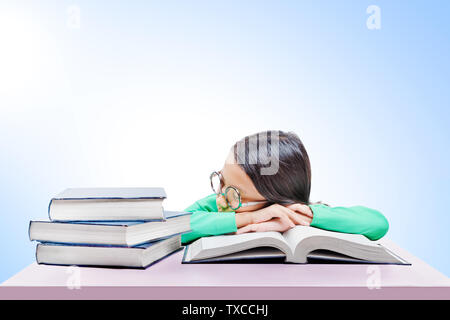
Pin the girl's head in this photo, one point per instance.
(270, 166)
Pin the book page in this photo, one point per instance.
(209, 247)
(295, 235)
(303, 240)
(226, 240)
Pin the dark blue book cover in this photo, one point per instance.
(125, 224)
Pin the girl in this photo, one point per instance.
(246, 200)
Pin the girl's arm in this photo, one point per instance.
(204, 223)
(207, 221)
(357, 219)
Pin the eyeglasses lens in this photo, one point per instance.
(215, 183)
(233, 198)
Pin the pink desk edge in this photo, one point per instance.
(169, 279)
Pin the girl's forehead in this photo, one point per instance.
(230, 157)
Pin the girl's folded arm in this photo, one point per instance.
(207, 221)
(357, 219)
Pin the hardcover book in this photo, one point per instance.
(107, 256)
(117, 233)
(107, 204)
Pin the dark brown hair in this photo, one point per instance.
(291, 183)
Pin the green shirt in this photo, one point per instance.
(206, 220)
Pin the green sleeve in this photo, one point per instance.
(357, 219)
(206, 220)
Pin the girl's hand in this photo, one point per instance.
(273, 218)
(272, 225)
(303, 214)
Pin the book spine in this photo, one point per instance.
(48, 210)
(36, 253)
(29, 229)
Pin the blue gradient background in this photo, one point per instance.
(153, 93)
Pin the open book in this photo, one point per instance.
(297, 245)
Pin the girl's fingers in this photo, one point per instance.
(285, 219)
(298, 218)
(276, 212)
(278, 218)
(301, 208)
(273, 225)
(247, 228)
(289, 217)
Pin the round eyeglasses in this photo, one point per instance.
(231, 194)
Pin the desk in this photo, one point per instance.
(169, 279)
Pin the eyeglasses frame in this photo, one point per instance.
(241, 204)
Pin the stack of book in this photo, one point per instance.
(110, 227)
